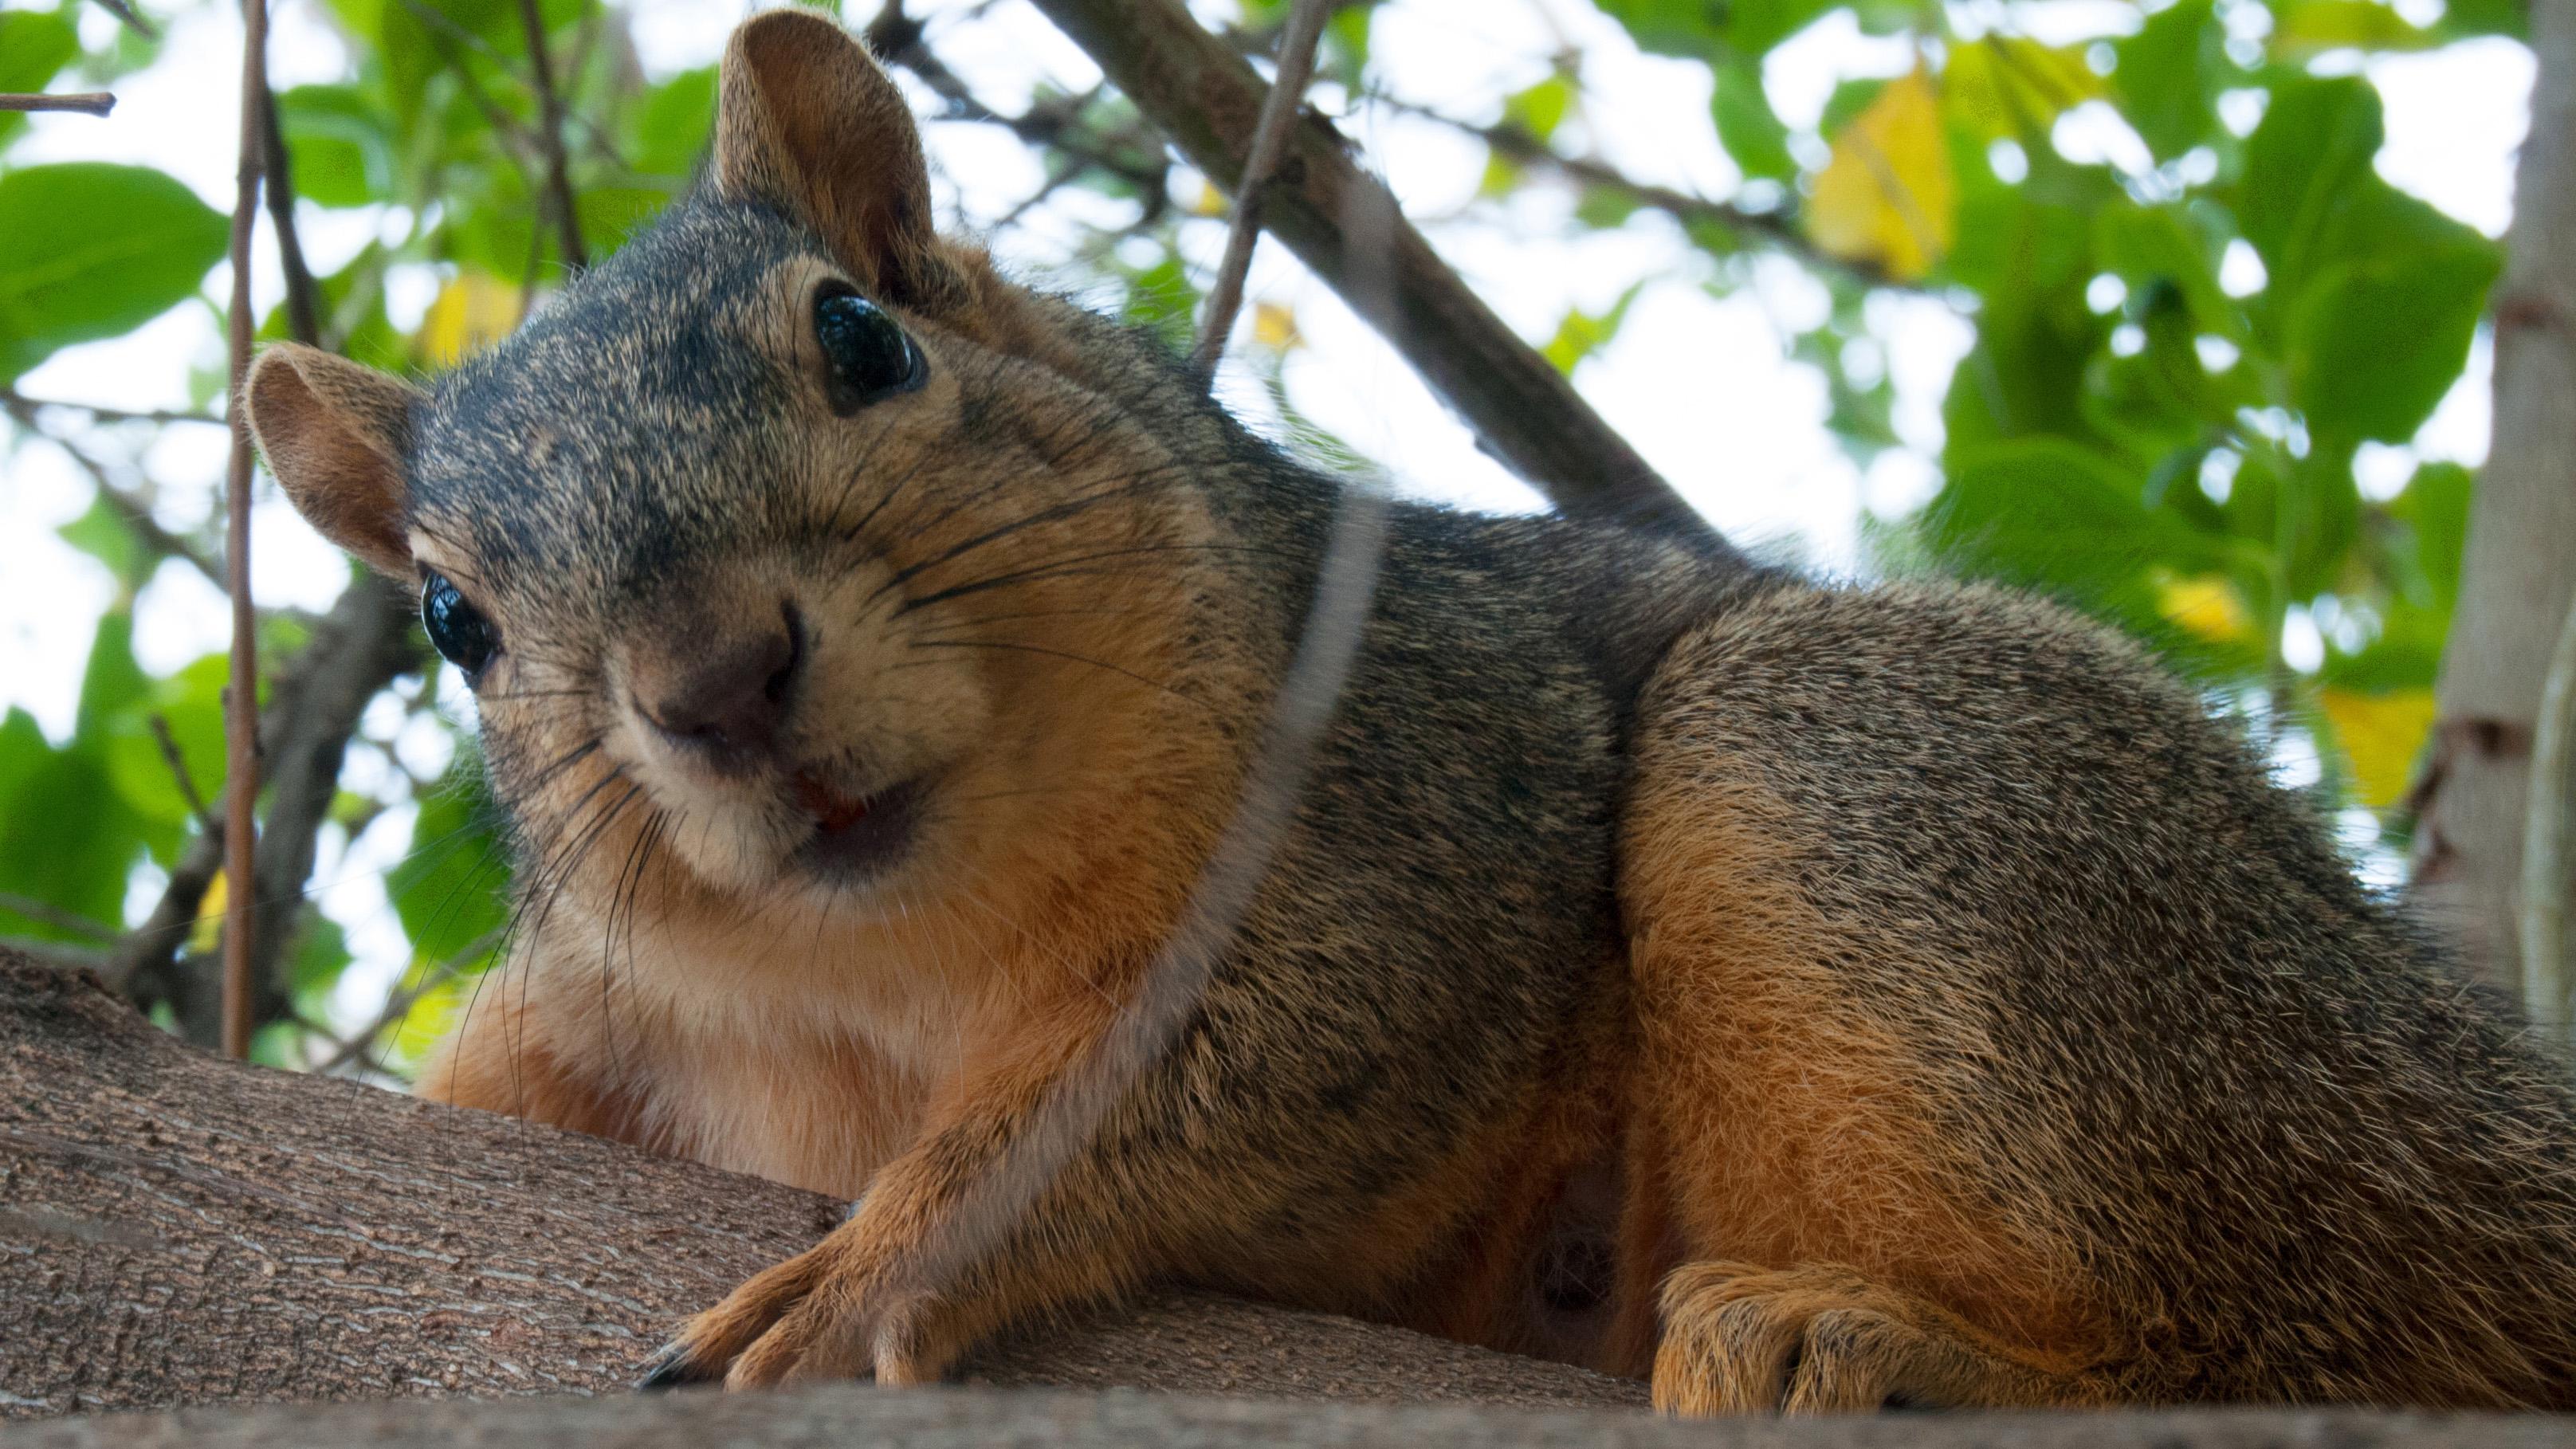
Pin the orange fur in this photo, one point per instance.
(1791, 1128)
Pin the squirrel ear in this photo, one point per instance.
(334, 433)
(807, 121)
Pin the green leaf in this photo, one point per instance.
(337, 138)
(90, 250)
(34, 46)
(2168, 76)
(2310, 201)
(453, 887)
(1541, 108)
(1582, 333)
(65, 837)
(672, 125)
(2048, 514)
(1752, 133)
(102, 533)
(2435, 511)
(2304, 29)
(191, 703)
(2372, 347)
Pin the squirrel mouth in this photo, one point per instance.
(855, 835)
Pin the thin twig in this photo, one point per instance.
(95, 103)
(551, 110)
(136, 515)
(399, 1002)
(1525, 412)
(58, 918)
(132, 18)
(1778, 228)
(179, 772)
(13, 399)
(1279, 114)
(241, 695)
(303, 300)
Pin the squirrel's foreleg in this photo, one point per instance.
(897, 1292)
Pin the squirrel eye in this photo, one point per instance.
(458, 630)
(867, 351)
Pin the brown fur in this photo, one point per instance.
(1811, 998)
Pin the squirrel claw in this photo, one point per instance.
(673, 1366)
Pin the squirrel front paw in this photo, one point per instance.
(829, 1313)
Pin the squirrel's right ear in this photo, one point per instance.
(806, 121)
(335, 433)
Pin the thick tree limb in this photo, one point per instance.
(1345, 225)
(2517, 572)
(182, 1230)
(841, 1415)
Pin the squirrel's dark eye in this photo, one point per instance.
(459, 631)
(865, 349)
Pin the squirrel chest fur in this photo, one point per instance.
(1809, 998)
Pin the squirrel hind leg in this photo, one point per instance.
(1823, 1339)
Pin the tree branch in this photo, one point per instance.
(94, 103)
(1208, 100)
(550, 136)
(303, 302)
(131, 511)
(315, 702)
(241, 695)
(308, 1237)
(1270, 139)
(131, 18)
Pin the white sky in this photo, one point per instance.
(1699, 383)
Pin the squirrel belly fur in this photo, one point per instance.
(1805, 997)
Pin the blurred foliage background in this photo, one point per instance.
(2197, 356)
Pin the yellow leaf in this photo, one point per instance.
(2009, 86)
(472, 312)
(209, 926)
(1274, 326)
(1210, 201)
(2208, 607)
(432, 1015)
(1887, 195)
(2382, 734)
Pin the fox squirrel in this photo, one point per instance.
(1809, 998)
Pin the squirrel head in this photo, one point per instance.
(790, 551)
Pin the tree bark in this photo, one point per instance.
(2519, 568)
(1345, 225)
(848, 1414)
(176, 1230)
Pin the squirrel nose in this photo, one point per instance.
(728, 705)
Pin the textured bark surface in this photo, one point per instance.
(177, 1230)
(934, 1419)
(2520, 564)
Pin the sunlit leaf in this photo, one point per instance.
(452, 888)
(2382, 735)
(2008, 86)
(2168, 75)
(90, 250)
(2304, 29)
(33, 46)
(1746, 125)
(1887, 195)
(2207, 607)
(2373, 346)
(472, 312)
